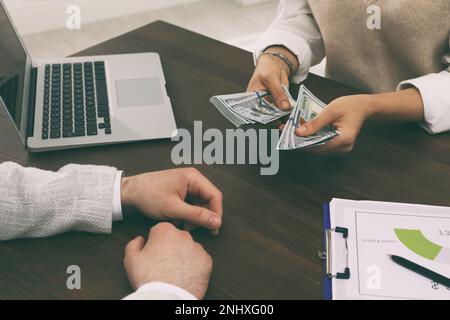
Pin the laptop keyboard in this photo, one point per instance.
(75, 100)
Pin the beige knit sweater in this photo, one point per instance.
(409, 47)
(413, 37)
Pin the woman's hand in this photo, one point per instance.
(271, 73)
(347, 115)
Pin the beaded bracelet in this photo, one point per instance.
(283, 58)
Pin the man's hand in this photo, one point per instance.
(162, 196)
(169, 256)
(271, 73)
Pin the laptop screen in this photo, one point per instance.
(13, 60)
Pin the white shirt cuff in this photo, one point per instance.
(160, 291)
(117, 201)
(436, 100)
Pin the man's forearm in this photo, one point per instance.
(404, 105)
(38, 203)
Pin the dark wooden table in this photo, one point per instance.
(272, 228)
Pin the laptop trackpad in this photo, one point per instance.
(139, 92)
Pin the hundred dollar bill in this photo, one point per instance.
(250, 107)
(307, 107)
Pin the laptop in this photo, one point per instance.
(84, 101)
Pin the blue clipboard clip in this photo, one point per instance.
(327, 254)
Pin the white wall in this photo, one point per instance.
(250, 2)
(34, 16)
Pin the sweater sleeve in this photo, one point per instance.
(434, 89)
(294, 28)
(36, 203)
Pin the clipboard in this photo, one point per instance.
(360, 237)
(327, 254)
(327, 284)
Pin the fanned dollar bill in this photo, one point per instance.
(307, 107)
(250, 107)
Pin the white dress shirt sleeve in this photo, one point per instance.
(294, 28)
(117, 201)
(435, 91)
(160, 291)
